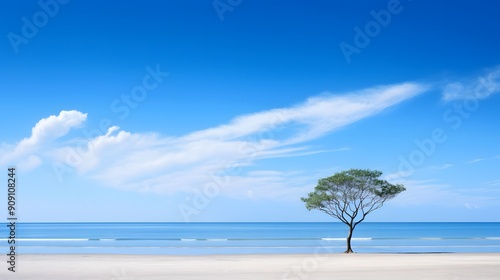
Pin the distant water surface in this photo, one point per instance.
(250, 238)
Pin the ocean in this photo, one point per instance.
(249, 238)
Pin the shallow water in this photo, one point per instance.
(248, 238)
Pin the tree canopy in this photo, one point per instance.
(351, 195)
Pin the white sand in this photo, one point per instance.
(236, 267)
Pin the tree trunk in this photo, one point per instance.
(349, 249)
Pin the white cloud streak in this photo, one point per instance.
(473, 88)
(151, 162)
(481, 159)
(428, 192)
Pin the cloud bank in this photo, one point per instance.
(42, 134)
(167, 164)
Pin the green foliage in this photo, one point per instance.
(351, 195)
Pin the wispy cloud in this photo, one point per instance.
(482, 159)
(473, 88)
(476, 160)
(403, 175)
(153, 162)
(431, 192)
(471, 206)
(443, 166)
(492, 183)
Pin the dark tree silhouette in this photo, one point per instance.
(351, 195)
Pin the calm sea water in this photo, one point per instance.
(249, 238)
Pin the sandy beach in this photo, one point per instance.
(333, 266)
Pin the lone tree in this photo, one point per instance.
(351, 195)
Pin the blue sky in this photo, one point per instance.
(232, 110)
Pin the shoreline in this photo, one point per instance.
(264, 255)
(406, 266)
